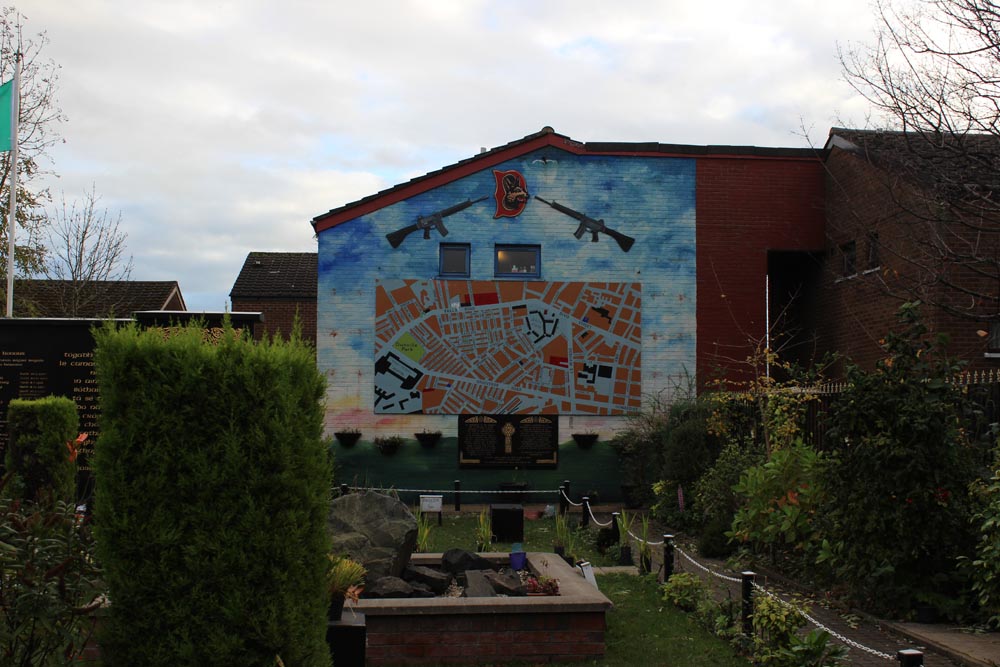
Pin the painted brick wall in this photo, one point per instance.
(650, 199)
(746, 207)
(279, 314)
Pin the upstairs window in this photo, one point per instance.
(517, 261)
(874, 255)
(849, 253)
(454, 260)
(993, 345)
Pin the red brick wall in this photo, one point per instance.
(279, 315)
(484, 638)
(857, 311)
(746, 207)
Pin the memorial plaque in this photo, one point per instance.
(508, 441)
(50, 357)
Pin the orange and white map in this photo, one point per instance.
(507, 347)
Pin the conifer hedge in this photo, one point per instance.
(37, 453)
(211, 499)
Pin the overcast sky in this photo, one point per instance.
(221, 127)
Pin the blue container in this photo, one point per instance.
(518, 559)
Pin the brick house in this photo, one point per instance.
(281, 285)
(885, 246)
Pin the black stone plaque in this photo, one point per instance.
(508, 441)
(51, 357)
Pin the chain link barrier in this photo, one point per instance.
(833, 633)
(758, 587)
(639, 539)
(594, 518)
(447, 491)
(563, 492)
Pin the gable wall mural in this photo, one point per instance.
(611, 242)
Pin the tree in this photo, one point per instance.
(39, 118)
(933, 74)
(86, 247)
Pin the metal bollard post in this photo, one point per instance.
(458, 495)
(668, 557)
(344, 489)
(563, 504)
(615, 532)
(585, 515)
(566, 486)
(748, 579)
(910, 657)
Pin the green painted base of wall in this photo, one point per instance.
(415, 467)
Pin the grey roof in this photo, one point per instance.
(276, 275)
(120, 298)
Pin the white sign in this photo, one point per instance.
(430, 503)
(588, 573)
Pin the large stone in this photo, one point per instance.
(388, 587)
(436, 580)
(477, 585)
(460, 560)
(374, 529)
(507, 583)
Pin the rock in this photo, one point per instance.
(421, 590)
(460, 560)
(436, 580)
(388, 587)
(374, 529)
(507, 583)
(478, 586)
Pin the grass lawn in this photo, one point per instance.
(642, 628)
(459, 531)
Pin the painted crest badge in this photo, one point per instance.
(511, 193)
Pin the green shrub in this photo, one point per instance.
(985, 566)
(212, 488)
(780, 501)
(38, 454)
(775, 624)
(640, 451)
(48, 578)
(899, 512)
(685, 591)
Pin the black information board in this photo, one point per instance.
(50, 357)
(508, 441)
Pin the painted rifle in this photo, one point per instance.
(588, 224)
(427, 222)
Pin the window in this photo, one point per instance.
(454, 260)
(874, 261)
(849, 252)
(517, 261)
(994, 341)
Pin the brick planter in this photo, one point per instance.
(569, 627)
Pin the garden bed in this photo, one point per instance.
(567, 627)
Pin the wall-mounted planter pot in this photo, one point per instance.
(585, 440)
(388, 446)
(347, 438)
(428, 439)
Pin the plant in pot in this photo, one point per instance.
(388, 445)
(562, 535)
(428, 438)
(585, 439)
(484, 531)
(344, 581)
(347, 437)
(645, 550)
(625, 521)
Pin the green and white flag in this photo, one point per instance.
(6, 105)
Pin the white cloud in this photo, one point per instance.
(223, 127)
